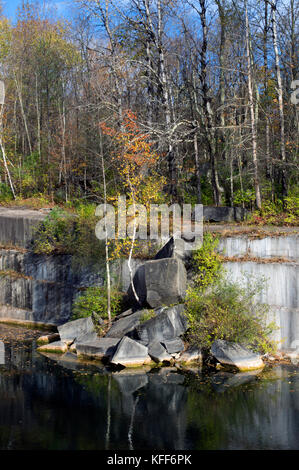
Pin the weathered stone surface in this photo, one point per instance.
(223, 214)
(160, 282)
(17, 226)
(47, 339)
(125, 325)
(190, 355)
(139, 286)
(130, 353)
(167, 325)
(158, 353)
(56, 347)
(174, 248)
(235, 355)
(174, 345)
(124, 314)
(98, 348)
(165, 281)
(74, 330)
(179, 246)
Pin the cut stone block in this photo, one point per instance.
(234, 354)
(56, 347)
(125, 325)
(174, 345)
(46, 339)
(160, 282)
(191, 355)
(98, 348)
(158, 353)
(167, 325)
(130, 353)
(73, 330)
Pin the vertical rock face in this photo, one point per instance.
(17, 226)
(276, 259)
(35, 288)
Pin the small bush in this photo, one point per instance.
(5, 193)
(94, 302)
(71, 233)
(206, 262)
(228, 310)
(56, 235)
(279, 214)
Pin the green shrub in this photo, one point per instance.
(56, 234)
(228, 310)
(71, 233)
(5, 193)
(93, 301)
(206, 262)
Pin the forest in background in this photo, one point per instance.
(165, 100)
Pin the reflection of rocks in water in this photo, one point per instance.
(70, 361)
(224, 380)
(130, 382)
(156, 401)
(69, 404)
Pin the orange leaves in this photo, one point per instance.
(133, 146)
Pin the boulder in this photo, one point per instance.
(218, 214)
(179, 246)
(167, 325)
(130, 353)
(124, 314)
(235, 355)
(98, 348)
(158, 353)
(88, 337)
(73, 330)
(224, 214)
(191, 355)
(140, 288)
(85, 339)
(59, 347)
(125, 325)
(46, 339)
(174, 248)
(174, 346)
(160, 282)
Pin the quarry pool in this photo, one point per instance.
(56, 402)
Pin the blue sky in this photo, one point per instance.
(10, 6)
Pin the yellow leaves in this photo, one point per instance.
(5, 37)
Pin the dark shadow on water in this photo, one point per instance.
(57, 402)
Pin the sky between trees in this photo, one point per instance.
(206, 85)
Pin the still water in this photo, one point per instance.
(57, 403)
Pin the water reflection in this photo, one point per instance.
(57, 402)
(2, 353)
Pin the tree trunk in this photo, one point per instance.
(252, 115)
(280, 103)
